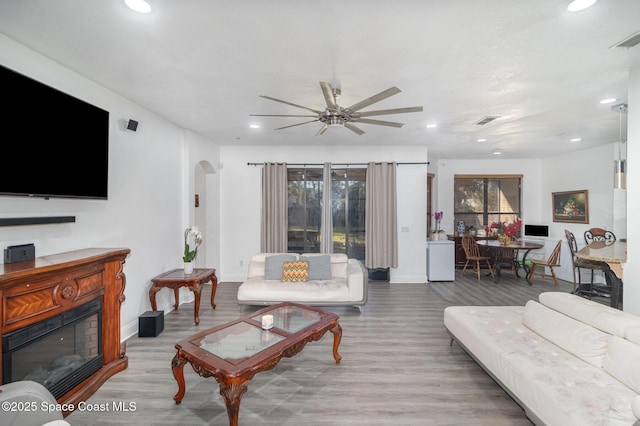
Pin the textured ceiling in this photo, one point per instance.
(202, 64)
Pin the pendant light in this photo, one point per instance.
(620, 165)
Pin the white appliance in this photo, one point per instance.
(441, 260)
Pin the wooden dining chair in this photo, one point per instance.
(472, 252)
(552, 261)
(599, 234)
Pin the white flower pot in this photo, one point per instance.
(435, 236)
(188, 267)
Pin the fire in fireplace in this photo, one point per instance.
(59, 352)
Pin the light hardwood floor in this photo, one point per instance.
(397, 367)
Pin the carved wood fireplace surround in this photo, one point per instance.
(43, 288)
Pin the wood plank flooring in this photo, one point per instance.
(397, 366)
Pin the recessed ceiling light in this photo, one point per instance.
(431, 125)
(254, 126)
(608, 101)
(482, 140)
(578, 5)
(140, 6)
(497, 152)
(576, 140)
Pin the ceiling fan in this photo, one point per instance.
(335, 115)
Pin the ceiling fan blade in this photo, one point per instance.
(329, 96)
(279, 115)
(322, 130)
(375, 98)
(389, 111)
(289, 103)
(354, 129)
(294, 125)
(379, 122)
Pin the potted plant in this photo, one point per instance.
(191, 235)
(435, 233)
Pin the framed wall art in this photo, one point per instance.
(570, 206)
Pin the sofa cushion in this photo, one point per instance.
(319, 266)
(579, 339)
(632, 334)
(635, 406)
(273, 265)
(621, 361)
(295, 271)
(602, 317)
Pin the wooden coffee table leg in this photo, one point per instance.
(232, 394)
(177, 366)
(214, 287)
(337, 336)
(197, 289)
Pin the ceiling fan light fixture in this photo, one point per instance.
(578, 5)
(335, 121)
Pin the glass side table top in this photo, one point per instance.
(291, 318)
(240, 340)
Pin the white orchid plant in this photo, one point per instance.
(191, 234)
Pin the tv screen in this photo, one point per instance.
(59, 144)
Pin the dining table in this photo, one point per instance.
(509, 254)
(614, 256)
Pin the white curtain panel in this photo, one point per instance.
(326, 224)
(275, 218)
(381, 222)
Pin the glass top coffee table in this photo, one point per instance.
(234, 352)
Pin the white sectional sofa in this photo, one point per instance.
(565, 359)
(333, 280)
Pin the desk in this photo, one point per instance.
(614, 255)
(176, 278)
(509, 253)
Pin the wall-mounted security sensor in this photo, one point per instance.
(132, 125)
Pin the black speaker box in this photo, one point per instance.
(150, 324)
(13, 254)
(132, 125)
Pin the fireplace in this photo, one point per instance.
(59, 352)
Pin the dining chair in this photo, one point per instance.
(473, 254)
(599, 234)
(551, 262)
(578, 263)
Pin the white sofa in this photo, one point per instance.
(565, 359)
(344, 284)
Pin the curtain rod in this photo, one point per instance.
(337, 164)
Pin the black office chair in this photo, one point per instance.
(580, 288)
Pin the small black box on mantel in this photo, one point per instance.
(150, 324)
(14, 254)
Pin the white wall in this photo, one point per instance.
(147, 208)
(241, 194)
(632, 268)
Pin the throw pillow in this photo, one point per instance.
(273, 265)
(296, 271)
(319, 267)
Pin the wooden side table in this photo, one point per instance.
(176, 278)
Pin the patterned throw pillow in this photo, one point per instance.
(296, 271)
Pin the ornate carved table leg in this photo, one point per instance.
(152, 297)
(176, 296)
(196, 289)
(232, 394)
(337, 336)
(177, 366)
(214, 287)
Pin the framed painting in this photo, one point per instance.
(570, 206)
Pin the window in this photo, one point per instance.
(305, 189)
(482, 200)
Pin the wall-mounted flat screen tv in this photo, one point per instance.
(53, 144)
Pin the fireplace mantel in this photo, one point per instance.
(36, 290)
